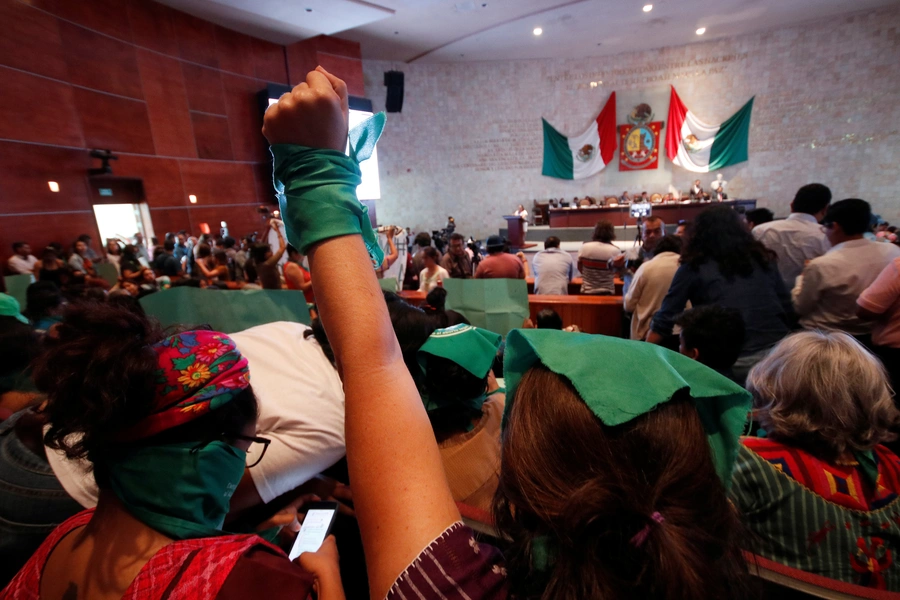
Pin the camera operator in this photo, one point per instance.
(652, 230)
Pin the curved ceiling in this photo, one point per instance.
(476, 30)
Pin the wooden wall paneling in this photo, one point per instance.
(241, 220)
(114, 122)
(338, 46)
(216, 182)
(25, 170)
(36, 230)
(301, 59)
(169, 219)
(105, 16)
(167, 105)
(204, 89)
(265, 188)
(31, 40)
(196, 39)
(212, 135)
(162, 178)
(36, 109)
(100, 62)
(234, 51)
(348, 69)
(152, 26)
(244, 119)
(269, 61)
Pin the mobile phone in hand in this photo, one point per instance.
(316, 527)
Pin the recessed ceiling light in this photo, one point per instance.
(193, 199)
(54, 187)
(537, 31)
(701, 31)
(648, 7)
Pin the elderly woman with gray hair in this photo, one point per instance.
(819, 490)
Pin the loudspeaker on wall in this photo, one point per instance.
(394, 82)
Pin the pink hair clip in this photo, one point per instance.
(641, 536)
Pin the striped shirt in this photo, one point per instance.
(597, 277)
(453, 567)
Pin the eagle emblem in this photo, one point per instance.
(691, 143)
(586, 153)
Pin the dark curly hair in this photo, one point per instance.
(99, 373)
(719, 235)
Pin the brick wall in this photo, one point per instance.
(827, 109)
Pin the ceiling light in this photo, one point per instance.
(193, 199)
(648, 7)
(701, 31)
(537, 31)
(54, 187)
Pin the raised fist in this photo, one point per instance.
(313, 114)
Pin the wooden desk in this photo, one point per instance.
(593, 314)
(575, 286)
(620, 215)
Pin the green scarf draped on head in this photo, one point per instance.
(472, 348)
(623, 379)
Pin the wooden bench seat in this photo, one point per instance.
(593, 314)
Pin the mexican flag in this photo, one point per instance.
(583, 155)
(696, 146)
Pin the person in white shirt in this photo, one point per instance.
(594, 261)
(433, 274)
(651, 283)
(522, 214)
(718, 182)
(22, 262)
(798, 239)
(825, 294)
(553, 269)
(301, 409)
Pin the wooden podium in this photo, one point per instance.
(515, 228)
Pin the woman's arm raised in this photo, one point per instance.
(400, 492)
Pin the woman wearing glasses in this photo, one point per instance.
(166, 422)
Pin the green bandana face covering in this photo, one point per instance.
(621, 379)
(176, 490)
(317, 190)
(470, 347)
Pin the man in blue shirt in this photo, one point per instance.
(553, 269)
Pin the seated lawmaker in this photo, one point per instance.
(595, 261)
(820, 491)
(553, 268)
(499, 264)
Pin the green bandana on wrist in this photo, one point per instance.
(622, 379)
(317, 190)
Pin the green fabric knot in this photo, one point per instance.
(317, 190)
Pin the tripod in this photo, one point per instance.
(638, 240)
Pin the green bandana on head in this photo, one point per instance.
(317, 190)
(623, 379)
(472, 348)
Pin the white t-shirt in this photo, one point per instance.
(796, 240)
(426, 283)
(301, 409)
(22, 266)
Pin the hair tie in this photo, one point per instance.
(641, 536)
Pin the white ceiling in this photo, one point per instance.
(473, 30)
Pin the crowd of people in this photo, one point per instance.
(144, 463)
